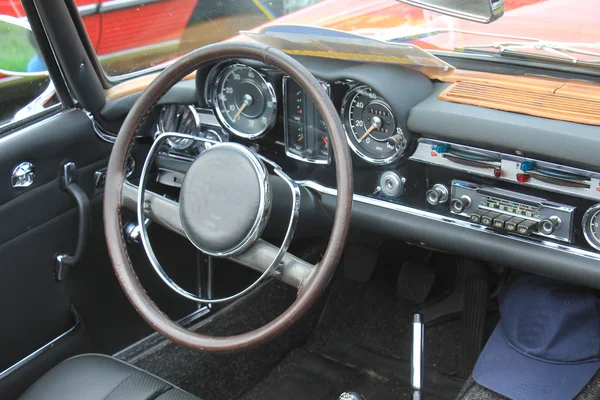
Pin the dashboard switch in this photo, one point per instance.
(548, 226)
(438, 194)
(526, 227)
(459, 205)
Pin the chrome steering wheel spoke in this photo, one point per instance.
(261, 256)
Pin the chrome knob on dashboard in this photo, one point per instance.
(459, 205)
(391, 183)
(548, 226)
(396, 140)
(438, 194)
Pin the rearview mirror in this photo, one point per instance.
(19, 54)
(482, 11)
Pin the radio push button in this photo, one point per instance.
(488, 219)
(526, 227)
(499, 222)
(511, 224)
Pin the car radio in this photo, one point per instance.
(506, 210)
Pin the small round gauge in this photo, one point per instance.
(245, 102)
(179, 118)
(591, 226)
(372, 130)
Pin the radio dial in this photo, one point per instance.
(459, 205)
(548, 226)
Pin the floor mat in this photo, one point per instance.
(225, 376)
(340, 366)
(359, 342)
(362, 344)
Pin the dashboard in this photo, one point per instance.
(456, 171)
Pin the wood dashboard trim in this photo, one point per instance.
(559, 99)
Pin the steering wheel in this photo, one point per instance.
(224, 205)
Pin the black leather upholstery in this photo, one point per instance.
(99, 377)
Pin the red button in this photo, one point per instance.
(523, 178)
(498, 172)
(433, 154)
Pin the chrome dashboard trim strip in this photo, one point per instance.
(510, 166)
(453, 221)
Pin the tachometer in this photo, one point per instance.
(245, 102)
(372, 130)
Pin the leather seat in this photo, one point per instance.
(100, 377)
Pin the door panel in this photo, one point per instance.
(41, 221)
(37, 223)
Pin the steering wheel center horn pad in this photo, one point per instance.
(225, 200)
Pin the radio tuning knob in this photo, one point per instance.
(548, 226)
(459, 205)
(438, 194)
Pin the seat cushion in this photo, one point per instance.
(100, 377)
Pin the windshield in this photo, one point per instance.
(154, 33)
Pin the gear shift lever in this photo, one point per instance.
(417, 357)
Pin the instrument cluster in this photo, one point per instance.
(246, 102)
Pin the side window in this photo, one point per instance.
(24, 85)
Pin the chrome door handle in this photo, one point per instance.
(23, 175)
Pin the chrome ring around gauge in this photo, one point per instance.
(591, 226)
(244, 101)
(371, 127)
(179, 118)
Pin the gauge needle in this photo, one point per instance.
(247, 102)
(367, 133)
(240, 111)
(375, 123)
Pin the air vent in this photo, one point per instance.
(547, 104)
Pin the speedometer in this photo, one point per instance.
(245, 102)
(371, 127)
